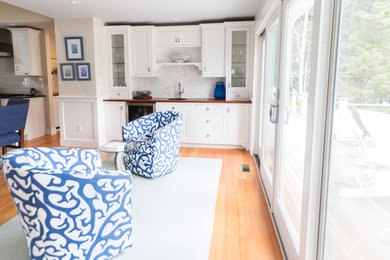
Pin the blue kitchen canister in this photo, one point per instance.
(219, 91)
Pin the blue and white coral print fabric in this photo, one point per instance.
(156, 139)
(70, 208)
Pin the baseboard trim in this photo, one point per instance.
(221, 146)
(80, 143)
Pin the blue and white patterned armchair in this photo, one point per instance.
(156, 143)
(70, 208)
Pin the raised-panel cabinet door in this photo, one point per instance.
(236, 124)
(21, 53)
(142, 53)
(115, 119)
(190, 37)
(213, 51)
(167, 38)
(185, 109)
(35, 53)
(35, 123)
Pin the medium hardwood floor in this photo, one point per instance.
(243, 228)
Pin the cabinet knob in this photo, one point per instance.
(208, 109)
(237, 95)
(118, 94)
(148, 69)
(208, 135)
(173, 108)
(179, 40)
(207, 121)
(16, 67)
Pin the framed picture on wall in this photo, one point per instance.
(67, 71)
(83, 71)
(74, 48)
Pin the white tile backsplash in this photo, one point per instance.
(12, 84)
(166, 83)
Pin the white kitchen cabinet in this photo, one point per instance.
(208, 123)
(35, 123)
(239, 60)
(186, 36)
(212, 124)
(143, 51)
(236, 124)
(213, 50)
(115, 115)
(182, 108)
(119, 48)
(27, 51)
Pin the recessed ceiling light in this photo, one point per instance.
(75, 2)
(12, 24)
(176, 19)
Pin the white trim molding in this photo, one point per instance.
(78, 121)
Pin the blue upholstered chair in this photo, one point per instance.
(12, 122)
(69, 207)
(156, 139)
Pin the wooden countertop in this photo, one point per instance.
(188, 100)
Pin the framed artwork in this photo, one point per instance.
(74, 48)
(67, 71)
(83, 71)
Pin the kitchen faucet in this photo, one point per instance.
(180, 90)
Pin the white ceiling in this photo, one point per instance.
(143, 11)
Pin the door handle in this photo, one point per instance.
(273, 114)
(286, 115)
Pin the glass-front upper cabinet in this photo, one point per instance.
(239, 57)
(118, 40)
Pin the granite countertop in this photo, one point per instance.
(187, 100)
(7, 96)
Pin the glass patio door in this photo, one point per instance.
(293, 112)
(357, 222)
(270, 104)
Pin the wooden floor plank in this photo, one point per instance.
(243, 228)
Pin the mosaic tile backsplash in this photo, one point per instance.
(11, 84)
(167, 81)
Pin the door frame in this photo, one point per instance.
(268, 186)
(323, 25)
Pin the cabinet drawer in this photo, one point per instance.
(208, 135)
(237, 96)
(209, 122)
(119, 94)
(180, 107)
(208, 109)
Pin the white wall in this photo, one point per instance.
(166, 83)
(81, 116)
(83, 27)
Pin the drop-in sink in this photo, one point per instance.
(177, 99)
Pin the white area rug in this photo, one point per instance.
(173, 215)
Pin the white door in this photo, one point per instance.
(269, 104)
(213, 51)
(290, 191)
